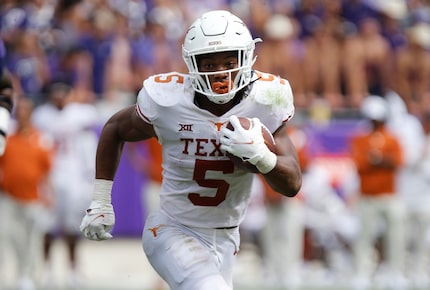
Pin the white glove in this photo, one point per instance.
(100, 217)
(248, 144)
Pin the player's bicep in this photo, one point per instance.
(129, 127)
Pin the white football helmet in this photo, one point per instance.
(219, 31)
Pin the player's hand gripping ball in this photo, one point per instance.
(243, 147)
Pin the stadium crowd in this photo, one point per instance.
(335, 53)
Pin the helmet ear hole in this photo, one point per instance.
(214, 32)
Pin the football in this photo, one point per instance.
(245, 122)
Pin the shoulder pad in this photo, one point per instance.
(166, 89)
(273, 90)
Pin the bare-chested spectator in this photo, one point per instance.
(418, 11)
(392, 15)
(353, 11)
(284, 53)
(118, 74)
(323, 54)
(366, 62)
(413, 68)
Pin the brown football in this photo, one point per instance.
(268, 140)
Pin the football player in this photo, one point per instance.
(192, 240)
(70, 121)
(6, 98)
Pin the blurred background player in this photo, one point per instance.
(378, 156)
(24, 183)
(413, 186)
(71, 122)
(284, 232)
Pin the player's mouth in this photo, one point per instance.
(222, 87)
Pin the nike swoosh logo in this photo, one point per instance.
(246, 143)
(99, 216)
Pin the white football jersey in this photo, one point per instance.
(201, 186)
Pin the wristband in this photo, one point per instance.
(102, 190)
(267, 163)
(4, 121)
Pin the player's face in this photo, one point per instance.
(222, 62)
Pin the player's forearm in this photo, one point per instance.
(286, 177)
(109, 152)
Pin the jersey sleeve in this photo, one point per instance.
(145, 108)
(158, 91)
(276, 94)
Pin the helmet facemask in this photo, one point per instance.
(218, 92)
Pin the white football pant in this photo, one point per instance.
(190, 258)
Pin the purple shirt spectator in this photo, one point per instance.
(100, 50)
(309, 17)
(355, 11)
(25, 68)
